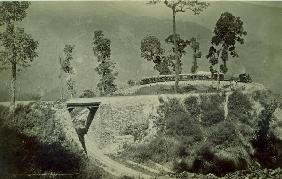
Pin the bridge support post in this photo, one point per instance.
(81, 132)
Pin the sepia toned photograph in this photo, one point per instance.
(148, 89)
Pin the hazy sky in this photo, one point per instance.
(55, 24)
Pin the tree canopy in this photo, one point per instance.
(17, 48)
(11, 11)
(176, 7)
(106, 68)
(151, 50)
(228, 31)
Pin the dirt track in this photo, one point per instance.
(109, 165)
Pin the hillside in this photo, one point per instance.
(54, 24)
(204, 133)
(200, 134)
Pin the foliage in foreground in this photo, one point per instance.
(33, 141)
(195, 135)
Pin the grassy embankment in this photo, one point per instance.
(37, 140)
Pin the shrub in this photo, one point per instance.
(239, 107)
(208, 162)
(136, 130)
(178, 131)
(223, 132)
(174, 120)
(160, 149)
(192, 106)
(212, 109)
(87, 94)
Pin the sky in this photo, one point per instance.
(55, 24)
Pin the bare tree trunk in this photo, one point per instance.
(13, 87)
(218, 79)
(177, 60)
(62, 87)
(72, 87)
(195, 63)
(218, 70)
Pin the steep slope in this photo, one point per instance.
(182, 131)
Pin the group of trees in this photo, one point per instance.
(18, 48)
(106, 68)
(228, 31)
(178, 6)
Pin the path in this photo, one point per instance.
(109, 165)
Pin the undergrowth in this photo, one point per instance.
(195, 135)
(33, 142)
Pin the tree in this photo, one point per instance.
(181, 44)
(228, 31)
(151, 50)
(195, 46)
(67, 68)
(106, 68)
(178, 6)
(61, 78)
(88, 93)
(17, 48)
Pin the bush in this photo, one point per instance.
(223, 132)
(208, 162)
(195, 135)
(212, 109)
(175, 120)
(160, 149)
(87, 94)
(239, 107)
(192, 106)
(136, 130)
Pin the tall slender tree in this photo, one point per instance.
(228, 32)
(195, 46)
(106, 68)
(178, 6)
(17, 48)
(61, 73)
(68, 68)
